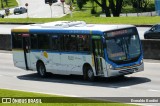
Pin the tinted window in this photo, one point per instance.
(55, 42)
(155, 28)
(43, 41)
(17, 41)
(123, 45)
(34, 41)
(70, 42)
(83, 43)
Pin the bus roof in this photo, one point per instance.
(70, 25)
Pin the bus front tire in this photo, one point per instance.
(88, 74)
(41, 69)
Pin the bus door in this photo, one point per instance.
(26, 49)
(98, 53)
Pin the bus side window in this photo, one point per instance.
(83, 43)
(55, 42)
(65, 42)
(73, 43)
(34, 41)
(70, 43)
(43, 42)
(17, 41)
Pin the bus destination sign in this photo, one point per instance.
(119, 32)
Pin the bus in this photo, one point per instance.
(77, 48)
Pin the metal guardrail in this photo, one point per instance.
(153, 13)
(5, 42)
(149, 14)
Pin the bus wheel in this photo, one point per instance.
(41, 69)
(89, 75)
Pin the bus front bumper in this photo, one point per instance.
(125, 71)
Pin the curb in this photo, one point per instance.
(6, 51)
(38, 23)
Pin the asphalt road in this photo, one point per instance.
(141, 31)
(142, 84)
(6, 29)
(38, 9)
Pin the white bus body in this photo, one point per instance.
(78, 48)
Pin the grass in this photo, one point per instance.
(67, 101)
(11, 3)
(89, 19)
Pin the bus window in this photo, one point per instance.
(70, 43)
(43, 42)
(34, 41)
(83, 43)
(55, 42)
(17, 41)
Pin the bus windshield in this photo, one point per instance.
(123, 46)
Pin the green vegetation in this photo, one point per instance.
(89, 19)
(71, 101)
(11, 3)
(146, 6)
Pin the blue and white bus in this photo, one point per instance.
(77, 48)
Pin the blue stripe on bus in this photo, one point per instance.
(40, 31)
(48, 51)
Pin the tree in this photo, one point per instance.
(80, 3)
(2, 4)
(145, 4)
(140, 4)
(127, 2)
(6, 2)
(93, 11)
(114, 5)
(104, 7)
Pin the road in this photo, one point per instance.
(142, 84)
(6, 29)
(38, 9)
(141, 31)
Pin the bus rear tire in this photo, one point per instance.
(88, 74)
(41, 69)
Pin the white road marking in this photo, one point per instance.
(14, 76)
(153, 90)
(125, 87)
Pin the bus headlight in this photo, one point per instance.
(110, 66)
(141, 61)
